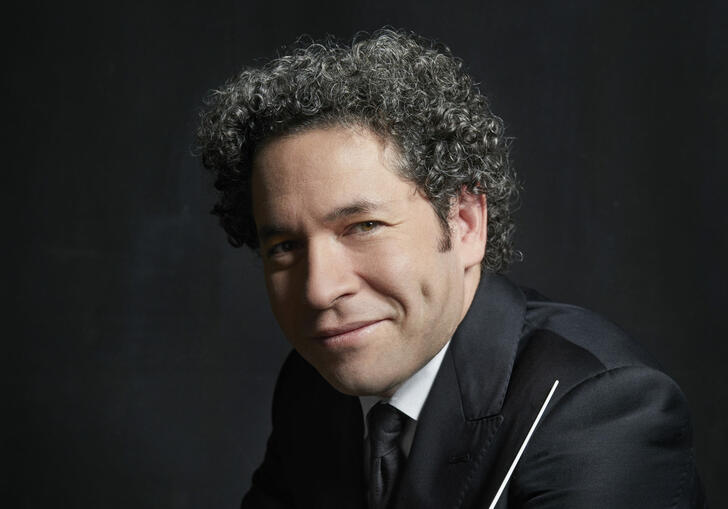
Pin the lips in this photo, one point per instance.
(348, 337)
(342, 330)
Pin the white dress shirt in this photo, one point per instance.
(409, 399)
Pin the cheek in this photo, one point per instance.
(412, 251)
(401, 271)
(386, 264)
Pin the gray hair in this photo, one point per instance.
(400, 86)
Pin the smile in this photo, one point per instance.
(346, 335)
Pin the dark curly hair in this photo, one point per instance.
(400, 86)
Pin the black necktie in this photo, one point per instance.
(385, 425)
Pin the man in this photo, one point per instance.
(375, 183)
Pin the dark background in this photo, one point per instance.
(140, 351)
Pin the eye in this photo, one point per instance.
(365, 226)
(281, 248)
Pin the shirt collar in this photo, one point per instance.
(410, 397)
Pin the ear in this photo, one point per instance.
(469, 227)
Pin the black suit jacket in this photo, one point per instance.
(616, 433)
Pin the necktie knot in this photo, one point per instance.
(385, 426)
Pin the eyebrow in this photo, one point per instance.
(358, 207)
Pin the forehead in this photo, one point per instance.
(323, 169)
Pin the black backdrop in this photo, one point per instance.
(140, 351)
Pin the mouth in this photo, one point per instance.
(346, 335)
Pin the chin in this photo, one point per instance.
(358, 373)
(353, 384)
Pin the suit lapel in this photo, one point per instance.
(445, 447)
(461, 416)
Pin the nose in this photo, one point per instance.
(331, 274)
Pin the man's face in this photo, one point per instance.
(350, 250)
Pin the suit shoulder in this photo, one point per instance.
(629, 425)
(597, 358)
(584, 329)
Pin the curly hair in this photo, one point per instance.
(400, 86)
